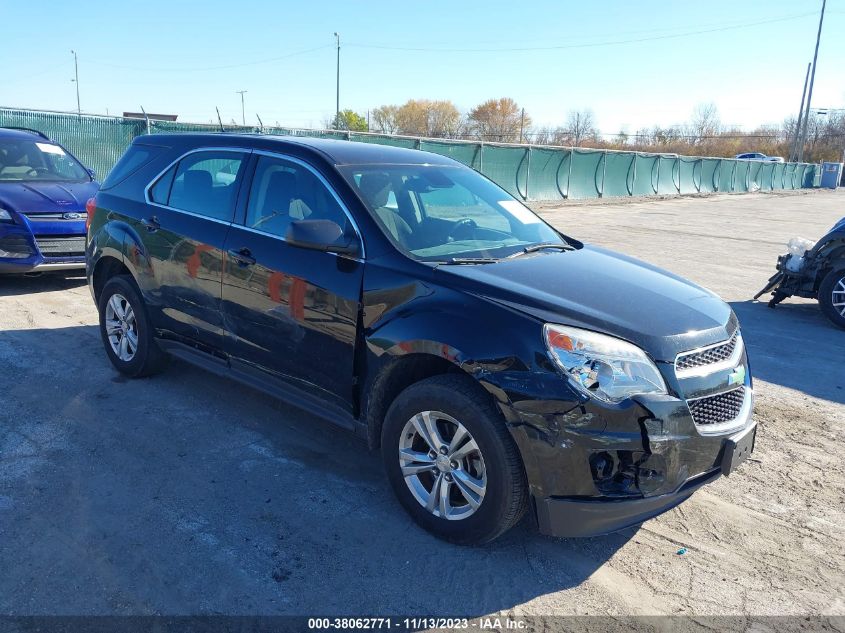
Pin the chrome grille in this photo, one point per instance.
(73, 246)
(707, 356)
(52, 217)
(723, 407)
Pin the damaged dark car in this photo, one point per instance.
(814, 271)
(500, 366)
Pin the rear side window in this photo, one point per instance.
(204, 183)
(135, 157)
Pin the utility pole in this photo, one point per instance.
(243, 113)
(812, 79)
(794, 151)
(521, 125)
(76, 81)
(337, 93)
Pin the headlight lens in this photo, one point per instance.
(601, 366)
(5, 216)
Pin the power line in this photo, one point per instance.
(202, 68)
(584, 45)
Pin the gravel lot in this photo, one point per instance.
(188, 494)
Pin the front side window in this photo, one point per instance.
(282, 192)
(204, 183)
(25, 160)
(435, 213)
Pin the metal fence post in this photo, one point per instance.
(481, 157)
(603, 173)
(678, 163)
(634, 176)
(569, 177)
(527, 171)
(657, 184)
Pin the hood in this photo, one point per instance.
(46, 197)
(600, 290)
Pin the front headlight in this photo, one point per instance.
(602, 366)
(5, 216)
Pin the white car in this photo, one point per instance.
(760, 156)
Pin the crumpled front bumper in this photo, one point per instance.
(595, 468)
(592, 517)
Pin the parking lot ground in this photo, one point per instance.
(189, 494)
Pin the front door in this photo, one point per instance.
(290, 312)
(190, 209)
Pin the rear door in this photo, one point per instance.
(190, 209)
(291, 313)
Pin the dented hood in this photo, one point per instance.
(600, 290)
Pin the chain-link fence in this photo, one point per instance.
(526, 171)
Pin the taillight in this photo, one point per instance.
(90, 208)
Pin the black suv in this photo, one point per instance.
(499, 364)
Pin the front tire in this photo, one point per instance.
(832, 297)
(451, 461)
(126, 331)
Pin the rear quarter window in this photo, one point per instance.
(135, 157)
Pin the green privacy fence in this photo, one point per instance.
(528, 172)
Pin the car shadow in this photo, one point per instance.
(187, 493)
(11, 285)
(794, 346)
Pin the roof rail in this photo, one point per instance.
(26, 129)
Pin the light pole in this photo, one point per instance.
(76, 81)
(243, 111)
(810, 93)
(337, 92)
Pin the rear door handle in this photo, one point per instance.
(152, 224)
(243, 257)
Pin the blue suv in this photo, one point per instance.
(44, 191)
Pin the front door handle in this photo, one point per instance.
(243, 257)
(152, 224)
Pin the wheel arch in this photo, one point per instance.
(395, 374)
(403, 365)
(106, 267)
(832, 259)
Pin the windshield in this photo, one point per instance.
(436, 213)
(25, 160)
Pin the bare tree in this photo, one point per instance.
(705, 123)
(498, 120)
(579, 127)
(384, 119)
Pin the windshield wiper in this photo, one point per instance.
(542, 246)
(471, 260)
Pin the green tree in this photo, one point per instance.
(350, 120)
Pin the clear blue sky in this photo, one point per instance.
(187, 57)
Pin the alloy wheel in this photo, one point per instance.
(838, 297)
(121, 327)
(442, 465)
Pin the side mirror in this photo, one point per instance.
(93, 174)
(320, 235)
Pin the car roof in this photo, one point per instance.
(9, 132)
(338, 152)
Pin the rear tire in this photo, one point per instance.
(126, 331)
(831, 293)
(445, 444)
